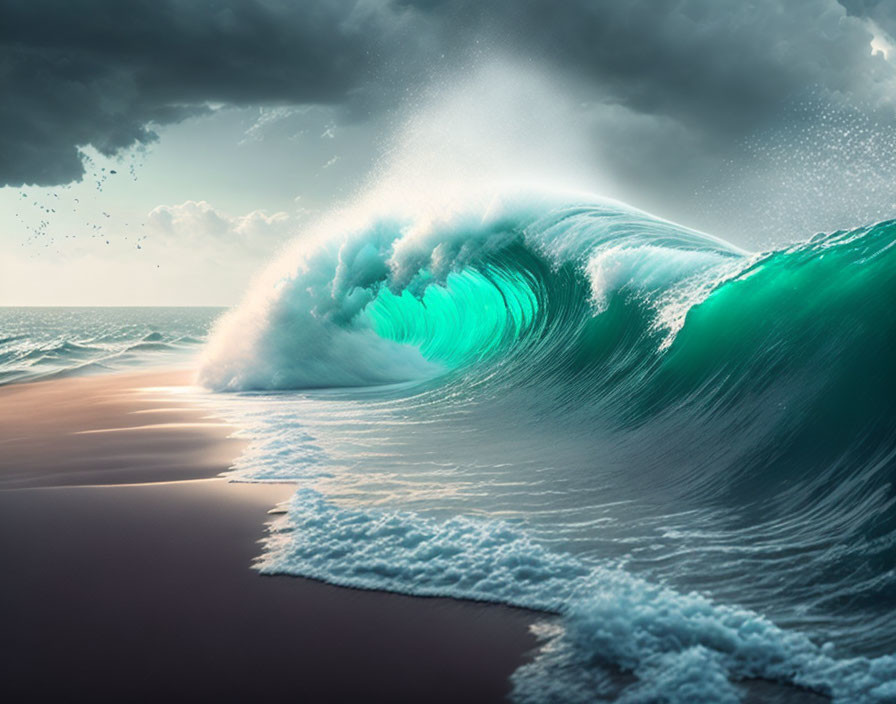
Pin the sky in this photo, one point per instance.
(161, 152)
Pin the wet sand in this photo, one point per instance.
(113, 429)
(127, 572)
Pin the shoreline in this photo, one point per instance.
(118, 428)
(129, 570)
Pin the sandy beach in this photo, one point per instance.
(127, 571)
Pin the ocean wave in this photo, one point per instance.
(438, 294)
(52, 342)
(565, 403)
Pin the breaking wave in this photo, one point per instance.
(684, 449)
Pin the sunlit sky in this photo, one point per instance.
(231, 126)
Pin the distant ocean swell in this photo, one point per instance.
(46, 343)
(686, 450)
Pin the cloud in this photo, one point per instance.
(269, 117)
(106, 73)
(721, 65)
(664, 73)
(197, 224)
(881, 12)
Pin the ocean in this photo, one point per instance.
(684, 452)
(51, 342)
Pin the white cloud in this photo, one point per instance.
(198, 223)
(881, 42)
(189, 253)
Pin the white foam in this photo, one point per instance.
(679, 647)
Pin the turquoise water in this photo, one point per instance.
(42, 343)
(685, 450)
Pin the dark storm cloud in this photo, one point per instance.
(99, 71)
(677, 91)
(102, 72)
(721, 65)
(881, 12)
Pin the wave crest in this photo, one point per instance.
(404, 298)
